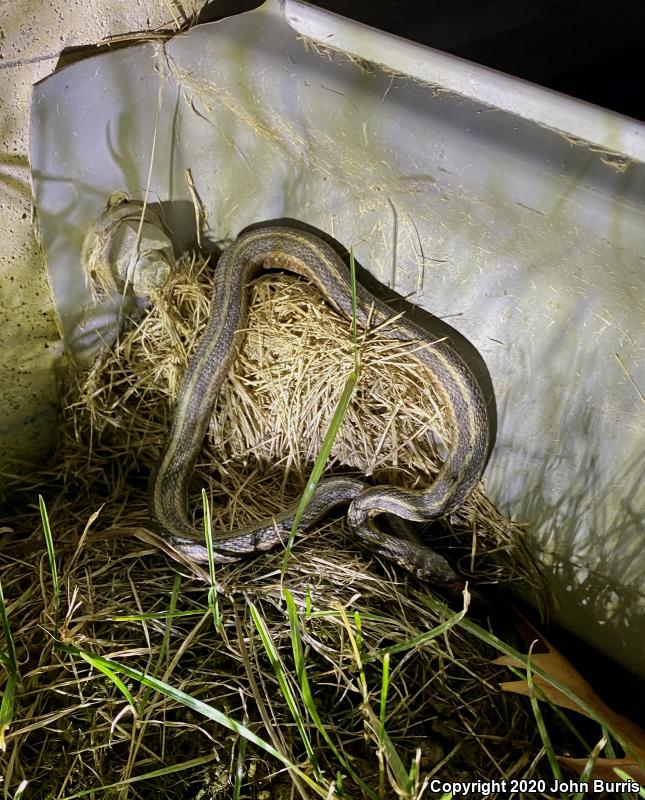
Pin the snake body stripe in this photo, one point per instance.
(307, 255)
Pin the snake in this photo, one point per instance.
(307, 255)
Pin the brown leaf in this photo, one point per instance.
(545, 656)
(604, 768)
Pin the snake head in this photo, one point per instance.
(431, 567)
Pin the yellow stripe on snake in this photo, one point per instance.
(307, 255)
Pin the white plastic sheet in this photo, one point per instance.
(511, 212)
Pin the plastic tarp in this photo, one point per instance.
(513, 213)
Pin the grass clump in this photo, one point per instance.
(331, 674)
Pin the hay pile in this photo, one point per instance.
(74, 731)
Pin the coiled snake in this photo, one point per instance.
(304, 253)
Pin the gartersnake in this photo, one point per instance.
(307, 255)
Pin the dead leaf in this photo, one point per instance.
(604, 768)
(550, 661)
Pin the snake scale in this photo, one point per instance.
(305, 254)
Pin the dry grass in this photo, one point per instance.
(73, 729)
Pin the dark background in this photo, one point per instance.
(588, 49)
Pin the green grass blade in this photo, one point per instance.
(308, 603)
(7, 707)
(413, 774)
(51, 555)
(296, 641)
(624, 776)
(239, 769)
(199, 707)
(157, 773)
(387, 747)
(10, 663)
(557, 710)
(9, 658)
(385, 682)
(165, 615)
(585, 775)
(352, 278)
(502, 647)
(422, 638)
(397, 766)
(321, 461)
(332, 431)
(358, 622)
(20, 790)
(213, 600)
(165, 642)
(99, 663)
(567, 723)
(358, 658)
(539, 721)
(610, 752)
(285, 686)
(308, 698)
